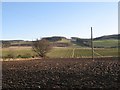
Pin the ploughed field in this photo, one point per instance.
(62, 73)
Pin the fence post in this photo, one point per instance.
(92, 44)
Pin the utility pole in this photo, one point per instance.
(92, 44)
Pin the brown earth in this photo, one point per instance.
(61, 73)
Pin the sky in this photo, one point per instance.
(32, 20)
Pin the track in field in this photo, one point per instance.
(82, 53)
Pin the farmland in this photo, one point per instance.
(81, 52)
(106, 43)
(62, 73)
(64, 67)
(105, 46)
(59, 44)
(63, 52)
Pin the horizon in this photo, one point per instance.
(68, 19)
(53, 36)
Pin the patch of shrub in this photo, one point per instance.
(33, 56)
(27, 55)
(19, 56)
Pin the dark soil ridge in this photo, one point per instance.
(62, 73)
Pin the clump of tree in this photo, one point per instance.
(5, 44)
(54, 38)
(41, 47)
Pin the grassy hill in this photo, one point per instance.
(113, 43)
(108, 37)
(66, 48)
(110, 41)
(107, 41)
(64, 40)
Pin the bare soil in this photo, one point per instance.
(62, 73)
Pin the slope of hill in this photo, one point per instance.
(59, 41)
(54, 38)
(108, 41)
(111, 43)
(115, 36)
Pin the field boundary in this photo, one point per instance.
(25, 59)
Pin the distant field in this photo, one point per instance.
(106, 43)
(63, 52)
(64, 41)
(81, 52)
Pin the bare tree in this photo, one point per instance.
(41, 47)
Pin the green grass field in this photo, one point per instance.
(81, 52)
(63, 52)
(106, 43)
(18, 51)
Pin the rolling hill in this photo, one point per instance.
(106, 37)
(110, 41)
